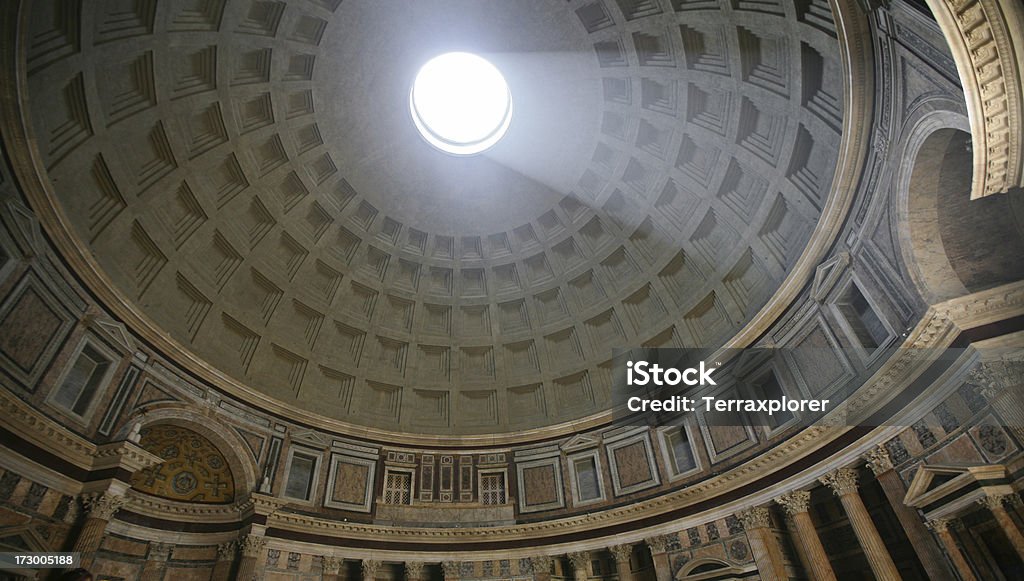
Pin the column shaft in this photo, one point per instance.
(662, 569)
(843, 483)
(1009, 527)
(767, 556)
(817, 558)
(956, 556)
(90, 536)
(764, 545)
(868, 537)
(246, 568)
(917, 533)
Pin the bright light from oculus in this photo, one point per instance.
(461, 103)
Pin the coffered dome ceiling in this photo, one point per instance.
(247, 175)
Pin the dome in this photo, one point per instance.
(254, 190)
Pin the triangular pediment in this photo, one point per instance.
(26, 228)
(311, 438)
(580, 442)
(24, 538)
(827, 274)
(935, 482)
(118, 332)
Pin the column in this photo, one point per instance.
(798, 547)
(225, 559)
(156, 561)
(994, 381)
(332, 568)
(797, 505)
(580, 565)
(100, 508)
(251, 549)
(414, 571)
(996, 504)
(659, 554)
(764, 545)
(451, 570)
(956, 556)
(541, 568)
(843, 483)
(369, 568)
(924, 546)
(621, 554)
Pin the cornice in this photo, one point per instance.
(32, 425)
(986, 38)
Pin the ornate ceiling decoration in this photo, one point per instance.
(246, 174)
(193, 470)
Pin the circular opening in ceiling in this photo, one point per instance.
(460, 103)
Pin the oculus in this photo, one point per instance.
(460, 103)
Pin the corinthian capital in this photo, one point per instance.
(755, 517)
(226, 551)
(795, 502)
(621, 553)
(413, 570)
(996, 502)
(540, 563)
(878, 460)
(103, 505)
(252, 545)
(580, 560)
(992, 379)
(658, 543)
(332, 565)
(369, 567)
(842, 481)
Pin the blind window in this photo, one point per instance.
(492, 489)
(398, 488)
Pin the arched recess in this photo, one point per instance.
(953, 245)
(708, 568)
(986, 39)
(230, 445)
(193, 468)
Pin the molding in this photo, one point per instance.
(986, 38)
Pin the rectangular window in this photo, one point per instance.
(492, 488)
(868, 328)
(83, 381)
(682, 452)
(587, 483)
(398, 488)
(300, 476)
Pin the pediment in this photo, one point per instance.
(118, 332)
(580, 442)
(827, 274)
(937, 482)
(310, 438)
